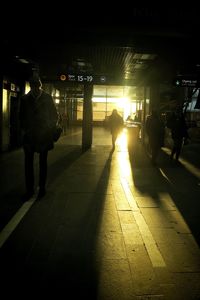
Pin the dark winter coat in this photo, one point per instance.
(115, 123)
(178, 126)
(37, 118)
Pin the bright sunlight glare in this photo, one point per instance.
(122, 140)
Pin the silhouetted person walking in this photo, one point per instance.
(38, 117)
(65, 122)
(116, 124)
(179, 132)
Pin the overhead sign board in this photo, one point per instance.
(187, 82)
(76, 78)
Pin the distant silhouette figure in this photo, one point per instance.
(179, 132)
(155, 131)
(115, 124)
(38, 116)
(65, 122)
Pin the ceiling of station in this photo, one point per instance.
(154, 44)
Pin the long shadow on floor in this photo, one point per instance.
(168, 177)
(52, 252)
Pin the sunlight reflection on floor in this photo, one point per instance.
(123, 155)
(122, 140)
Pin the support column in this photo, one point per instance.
(143, 119)
(1, 113)
(154, 96)
(87, 117)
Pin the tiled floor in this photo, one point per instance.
(111, 226)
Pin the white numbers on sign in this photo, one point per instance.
(80, 78)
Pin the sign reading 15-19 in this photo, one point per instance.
(76, 78)
(87, 78)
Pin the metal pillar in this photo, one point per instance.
(87, 117)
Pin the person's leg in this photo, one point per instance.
(155, 151)
(178, 148)
(29, 171)
(173, 149)
(65, 128)
(43, 172)
(114, 137)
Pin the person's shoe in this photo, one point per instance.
(27, 196)
(41, 193)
